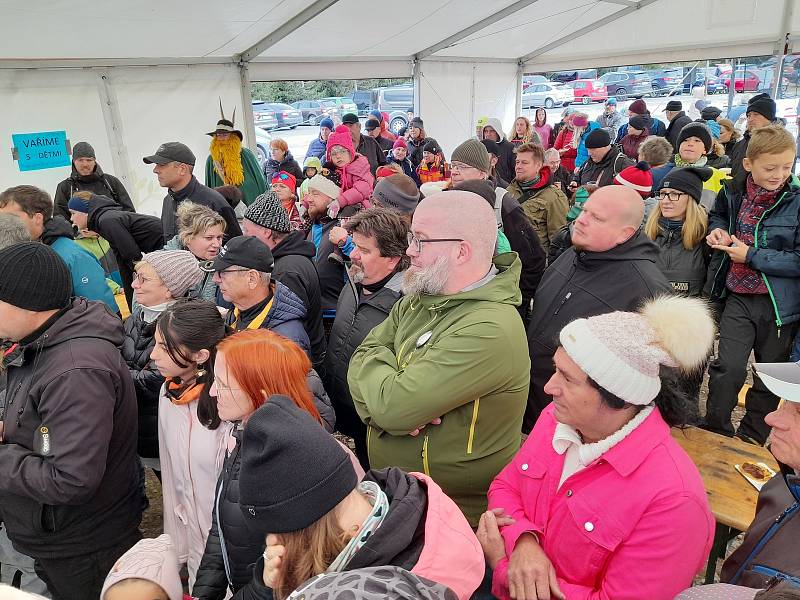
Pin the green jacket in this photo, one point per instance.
(546, 207)
(472, 371)
(254, 183)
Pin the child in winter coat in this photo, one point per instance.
(433, 166)
(399, 156)
(148, 571)
(311, 167)
(191, 441)
(324, 518)
(285, 187)
(353, 170)
(755, 228)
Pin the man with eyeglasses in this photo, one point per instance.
(243, 272)
(611, 266)
(174, 163)
(442, 382)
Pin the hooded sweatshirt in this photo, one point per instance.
(70, 481)
(436, 356)
(96, 182)
(507, 158)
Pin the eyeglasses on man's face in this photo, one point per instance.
(416, 244)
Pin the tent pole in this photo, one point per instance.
(782, 46)
(473, 118)
(249, 127)
(732, 84)
(518, 95)
(113, 122)
(415, 74)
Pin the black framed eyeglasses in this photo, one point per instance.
(416, 243)
(671, 196)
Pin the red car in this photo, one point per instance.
(745, 81)
(588, 90)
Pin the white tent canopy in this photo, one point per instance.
(128, 76)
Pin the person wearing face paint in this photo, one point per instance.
(191, 437)
(87, 176)
(601, 501)
(755, 230)
(250, 367)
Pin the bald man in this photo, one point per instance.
(611, 266)
(442, 382)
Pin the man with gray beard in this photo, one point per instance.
(442, 383)
(374, 278)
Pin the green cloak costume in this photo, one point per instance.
(254, 183)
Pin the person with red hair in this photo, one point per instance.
(250, 367)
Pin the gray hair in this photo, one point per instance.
(655, 150)
(550, 152)
(12, 230)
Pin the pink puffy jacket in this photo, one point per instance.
(452, 554)
(357, 183)
(633, 524)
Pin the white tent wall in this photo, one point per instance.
(144, 106)
(454, 95)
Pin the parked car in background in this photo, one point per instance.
(548, 95)
(343, 105)
(529, 80)
(311, 111)
(395, 98)
(744, 80)
(666, 81)
(587, 91)
(263, 115)
(397, 120)
(565, 76)
(699, 76)
(263, 140)
(627, 84)
(285, 115)
(363, 101)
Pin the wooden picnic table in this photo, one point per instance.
(731, 496)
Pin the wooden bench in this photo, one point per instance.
(731, 496)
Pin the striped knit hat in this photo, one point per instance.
(268, 212)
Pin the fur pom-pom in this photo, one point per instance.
(684, 326)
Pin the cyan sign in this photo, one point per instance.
(42, 150)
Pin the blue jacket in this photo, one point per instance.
(775, 253)
(316, 148)
(583, 153)
(88, 277)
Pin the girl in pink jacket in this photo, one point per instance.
(191, 443)
(355, 177)
(323, 520)
(601, 502)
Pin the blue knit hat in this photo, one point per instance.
(377, 114)
(327, 122)
(78, 205)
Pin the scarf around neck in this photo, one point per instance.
(380, 508)
(700, 162)
(150, 313)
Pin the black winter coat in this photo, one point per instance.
(737, 155)
(506, 160)
(136, 348)
(70, 481)
(522, 237)
(199, 194)
(415, 151)
(684, 269)
(674, 129)
(294, 268)
(603, 172)
(583, 284)
(242, 545)
(98, 183)
(355, 318)
(272, 167)
(371, 150)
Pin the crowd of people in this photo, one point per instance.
(385, 373)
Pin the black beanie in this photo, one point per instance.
(688, 180)
(33, 277)
(638, 122)
(82, 150)
(698, 130)
(763, 105)
(710, 113)
(293, 471)
(432, 146)
(597, 138)
(674, 106)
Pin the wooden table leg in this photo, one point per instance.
(722, 534)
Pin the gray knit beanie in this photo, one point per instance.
(178, 269)
(268, 212)
(389, 195)
(82, 150)
(472, 153)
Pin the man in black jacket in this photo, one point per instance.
(378, 260)
(364, 145)
(605, 161)
(611, 266)
(506, 161)
(266, 220)
(71, 489)
(87, 176)
(761, 111)
(677, 120)
(174, 163)
(129, 234)
(470, 164)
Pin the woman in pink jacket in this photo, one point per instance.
(191, 443)
(323, 520)
(600, 502)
